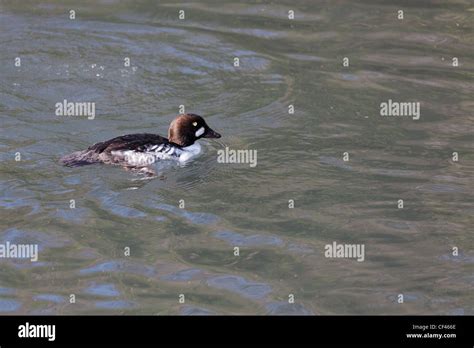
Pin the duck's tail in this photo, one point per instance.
(80, 158)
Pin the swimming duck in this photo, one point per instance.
(138, 151)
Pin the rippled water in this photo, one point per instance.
(190, 251)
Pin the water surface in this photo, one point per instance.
(190, 251)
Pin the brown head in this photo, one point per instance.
(186, 129)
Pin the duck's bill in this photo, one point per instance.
(211, 134)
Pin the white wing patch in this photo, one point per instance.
(200, 132)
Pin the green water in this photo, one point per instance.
(283, 62)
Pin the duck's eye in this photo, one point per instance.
(195, 124)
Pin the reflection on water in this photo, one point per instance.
(7, 305)
(128, 246)
(240, 286)
(102, 290)
(49, 298)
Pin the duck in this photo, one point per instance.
(138, 152)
